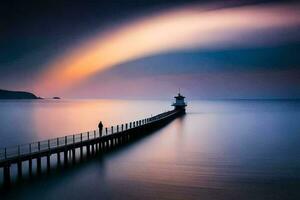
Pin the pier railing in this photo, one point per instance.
(13, 152)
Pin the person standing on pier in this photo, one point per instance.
(100, 126)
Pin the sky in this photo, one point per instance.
(149, 49)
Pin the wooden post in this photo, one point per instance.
(58, 158)
(48, 163)
(88, 135)
(112, 130)
(30, 166)
(113, 142)
(93, 150)
(65, 158)
(88, 150)
(95, 134)
(19, 166)
(117, 128)
(49, 145)
(100, 146)
(73, 155)
(106, 130)
(103, 146)
(81, 148)
(66, 152)
(73, 150)
(122, 127)
(126, 126)
(88, 146)
(97, 146)
(39, 165)
(38, 160)
(6, 174)
(120, 140)
(58, 153)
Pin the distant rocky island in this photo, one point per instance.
(6, 94)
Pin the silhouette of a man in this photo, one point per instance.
(100, 126)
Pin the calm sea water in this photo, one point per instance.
(218, 150)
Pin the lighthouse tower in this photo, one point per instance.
(179, 103)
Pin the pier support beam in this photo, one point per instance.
(30, 167)
(6, 175)
(100, 147)
(81, 153)
(73, 156)
(113, 142)
(93, 150)
(19, 166)
(97, 147)
(65, 158)
(58, 159)
(103, 146)
(88, 150)
(39, 165)
(48, 163)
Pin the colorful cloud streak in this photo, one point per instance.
(183, 28)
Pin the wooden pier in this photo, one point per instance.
(91, 141)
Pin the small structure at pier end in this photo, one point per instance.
(179, 103)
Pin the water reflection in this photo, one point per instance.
(219, 150)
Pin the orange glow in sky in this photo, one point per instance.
(185, 28)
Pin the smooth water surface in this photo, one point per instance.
(218, 150)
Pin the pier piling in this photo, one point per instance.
(48, 163)
(30, 166)
(39, 165)
(6, 174)
(19, 166)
